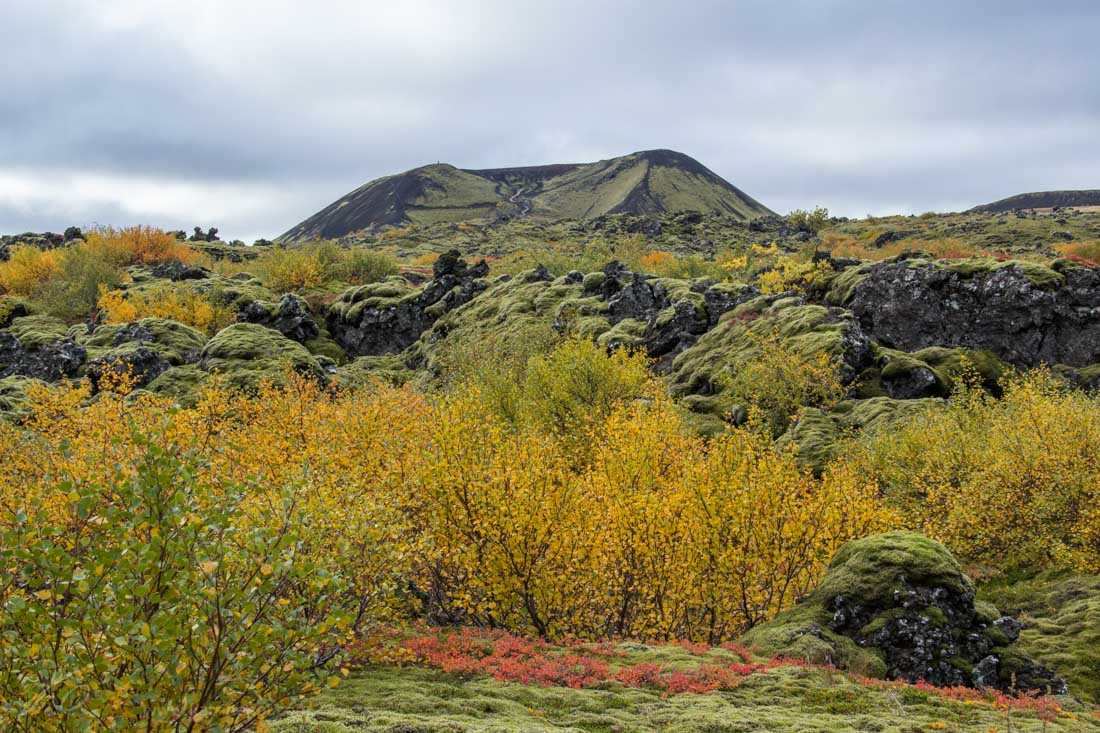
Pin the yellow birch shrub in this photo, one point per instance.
(1008, 482)
(172, 302)
(28, 268)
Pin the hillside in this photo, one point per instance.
(1043, 200)
(648, 182)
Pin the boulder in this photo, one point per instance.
(140, 364)
(290, 317)
(898, 606)
(177, 271)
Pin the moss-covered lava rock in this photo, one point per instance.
(247, 354)
(898, 605)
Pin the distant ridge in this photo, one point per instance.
(646, 182)
(1042, 200)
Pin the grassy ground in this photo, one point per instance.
(413, 699)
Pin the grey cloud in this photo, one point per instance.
(859, 106)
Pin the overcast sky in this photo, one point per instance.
(250, 116)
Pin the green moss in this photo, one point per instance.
(1062, 630)
(365, 370)
(325, 346)
(935, 616)
(35, 332)
(803, 633)
(592, 281)
(175, 341)
(1038, 275)
(387, 293)
(247, 354)
(806, 329)
(511, 312)
(10, 309)
(13, 396)
(843, 285)
(181, 383)
(628, 333)
(817, 435)
(415, 700)
(985, 612)
(949, 364)
(869, 570)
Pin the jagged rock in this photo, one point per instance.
(898, 605)
(449, 263)
(1024, 313)
(386, 317)
(636, 298)
(177, 271)
(141, 364)
(49, 362)
(673, 334)
(290, 317)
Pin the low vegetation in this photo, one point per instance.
(213, 507)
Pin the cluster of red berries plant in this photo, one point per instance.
(511, 658)
(1042, 704)
(576, 664)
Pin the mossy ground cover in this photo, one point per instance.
(1061, 614)
(411, 698)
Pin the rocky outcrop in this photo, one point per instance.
(290, 317)
(49, 362)
(1026, 314)
(898, 605)
(673, 320)
(387, 317)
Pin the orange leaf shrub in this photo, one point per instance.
(141, 245)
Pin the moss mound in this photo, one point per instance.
(34, 332)
(806, 329)
(247, 354)
(872, 570)
(181, 383)
(13, 396)
(176, 342)
(816, 435)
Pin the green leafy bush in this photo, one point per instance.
(159, 601)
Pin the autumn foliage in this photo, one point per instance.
(1010, 482)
